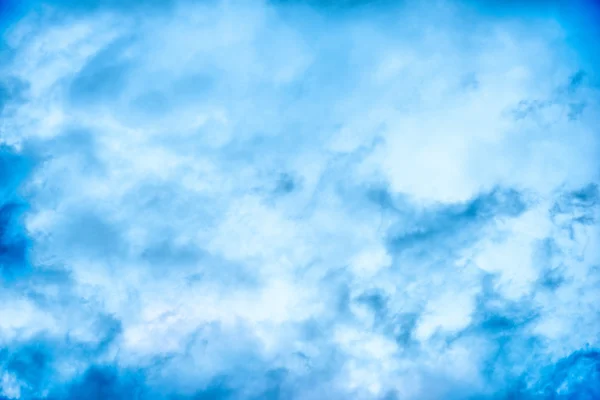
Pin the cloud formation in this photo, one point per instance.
(288, 200)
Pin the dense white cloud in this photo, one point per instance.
(264, 200)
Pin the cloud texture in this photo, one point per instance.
(289, 200)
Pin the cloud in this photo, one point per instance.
(213, 200)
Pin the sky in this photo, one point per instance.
(299, 199)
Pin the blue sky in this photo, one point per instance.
(299, 200)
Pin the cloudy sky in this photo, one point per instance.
(299, 199)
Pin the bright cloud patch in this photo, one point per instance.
(279, 200)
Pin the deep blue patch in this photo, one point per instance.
(14, 168)
(31, 363)
(6, 7)
(574, 377)
(107, 382)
